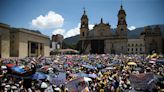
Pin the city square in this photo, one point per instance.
(122, 52)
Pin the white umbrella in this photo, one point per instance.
(3, 67)
(14, 87)
(44, 85)
(7, 86)
(57, 89)
(109, 68)
(87, 79)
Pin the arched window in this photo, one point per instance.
(132, 45)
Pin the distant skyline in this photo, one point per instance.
(63, 16)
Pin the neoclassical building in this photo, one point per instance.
(20, 42)
(101, 39)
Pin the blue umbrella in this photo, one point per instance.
(39, 75)
(82, 74)
(18, 69)
(160, 61)
(99, 65)
(89, 67)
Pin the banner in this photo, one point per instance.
(142, 81)
(58, 78)
(77, 85)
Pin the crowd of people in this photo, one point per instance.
(83, 73)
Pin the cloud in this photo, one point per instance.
(59, 31)
(71, 32)
(131, 27)
(51, 20)
(75, 31)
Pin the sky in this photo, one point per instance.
(63, 16)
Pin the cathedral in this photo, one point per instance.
(101, 39)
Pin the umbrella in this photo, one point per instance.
(99, 65)
(70, 63)
(82, 74)
(18, 69)
(57, 89)
(92, 75)
(3, 67)
(152, 62)
(10, 65)
(132, 63)
(87, 79)
(89, 66)
(44, 85)
(109, 68)
(160, 61)
(39, 75)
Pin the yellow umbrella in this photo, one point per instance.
(132, 63)
(154, 55)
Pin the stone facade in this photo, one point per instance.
(4, 40)
(101, 39)
(23, 42)
(153, 39)
(136, 46)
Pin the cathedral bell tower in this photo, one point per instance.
(84, 25)
(121, 26)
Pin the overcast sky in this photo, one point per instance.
(63, 16)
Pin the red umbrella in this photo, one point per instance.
(70, 63)
(10, 65)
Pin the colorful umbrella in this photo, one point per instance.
(18, 69)
(132, 63)
(10, 65)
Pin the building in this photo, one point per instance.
(56, 42)
(153, 39)
(136, 46)
(101, 39)
(20, 42)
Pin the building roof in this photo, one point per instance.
(33, 32)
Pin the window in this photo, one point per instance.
(122, 29)
(136, 45)
(128, 49)
(141, 44)
(136, 49)
(132, 49)
(140, 49)
(132, 45)
(112, 45)
(83, 34)
(128, 44)
(122, 47)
